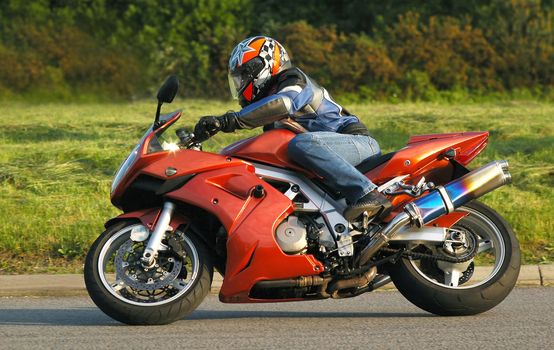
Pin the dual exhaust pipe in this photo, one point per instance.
(441, 201)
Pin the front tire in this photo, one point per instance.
(426, 288)
(123, 290)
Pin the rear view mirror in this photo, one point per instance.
(168, 90)
(166, 94)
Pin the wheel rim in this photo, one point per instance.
(490, 243)
(123, 278)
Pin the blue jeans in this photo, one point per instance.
(334, 157)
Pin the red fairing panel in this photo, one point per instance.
(184, 161)
(268, 148)
(424, 152)
(189, 161)
(252, 252)
(448, 220)
(469, 144)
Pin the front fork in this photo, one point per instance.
(155, 242)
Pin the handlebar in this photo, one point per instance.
(187, 139)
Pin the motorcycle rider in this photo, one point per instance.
(270, 89)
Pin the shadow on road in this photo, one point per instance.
(94, 317)
(229, 314)
(55, 317)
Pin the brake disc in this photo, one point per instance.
(130, 270)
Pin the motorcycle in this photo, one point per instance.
(276, 232)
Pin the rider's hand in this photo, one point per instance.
(206, 128)
(209, 126)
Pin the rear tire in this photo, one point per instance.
(133, 312)
(463, 300)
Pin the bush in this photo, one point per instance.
(524, 37)
(342, 63)
(359, 63)
(64, 62)
(413, 50)
(310, 48)
(452, 55)
(434, 57)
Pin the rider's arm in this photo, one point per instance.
(280, 105)
(267, 110)
(292, 95)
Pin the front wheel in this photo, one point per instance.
(472, 287)
(125, 290)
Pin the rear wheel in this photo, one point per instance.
(122, 288)
(467, 288)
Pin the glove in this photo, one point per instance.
(206, 127)
(209, 126)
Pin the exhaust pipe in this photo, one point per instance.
(441, 201)
(365, 279)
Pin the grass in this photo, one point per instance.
(57, 161)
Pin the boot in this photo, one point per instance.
(374, 203)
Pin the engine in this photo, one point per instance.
(291, 235)
(303, 233)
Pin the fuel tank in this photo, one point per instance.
(268, 148)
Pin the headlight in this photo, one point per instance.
(170, 146)
(124, 167)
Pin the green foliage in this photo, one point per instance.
(188, 37)
(420, 58)
(345, 62)
(392, 50)
(116, 48)
(50, 55)
(452, 55)
(524, 37)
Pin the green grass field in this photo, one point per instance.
(57, 161)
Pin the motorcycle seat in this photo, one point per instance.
(374, 162)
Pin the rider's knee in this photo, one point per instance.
(298, 146)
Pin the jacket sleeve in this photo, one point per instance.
(265, 111)
(285, 103)
(292, 95)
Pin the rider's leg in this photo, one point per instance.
(334, 157)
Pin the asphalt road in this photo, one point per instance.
(383, 320)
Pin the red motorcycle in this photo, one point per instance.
(276, 232)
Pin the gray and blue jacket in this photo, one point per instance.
(292, 94)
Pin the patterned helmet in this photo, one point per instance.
(253, 63)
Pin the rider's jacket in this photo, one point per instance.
(293, 94)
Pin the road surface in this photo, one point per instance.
(383, 320)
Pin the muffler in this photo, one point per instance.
(441, 201)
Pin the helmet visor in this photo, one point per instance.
(235, 84)
(240, 77)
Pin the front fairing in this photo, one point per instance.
(151, 147)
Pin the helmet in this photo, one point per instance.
(253, 63)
